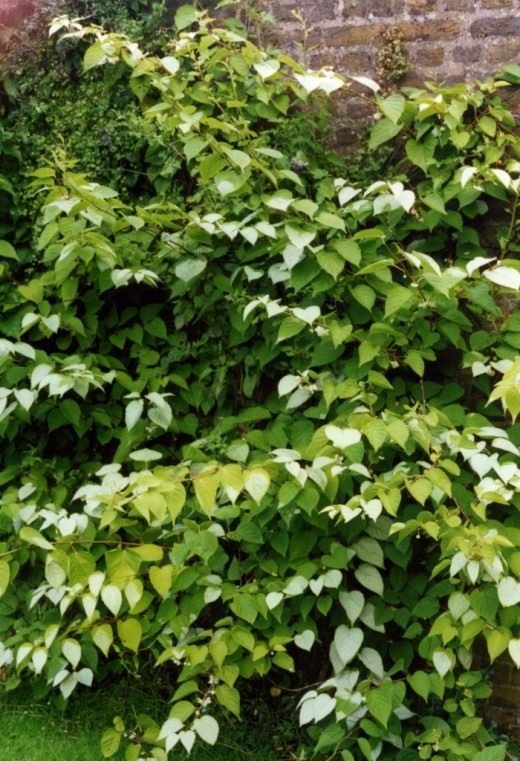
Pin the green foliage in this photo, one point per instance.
(245, 418)
(392, 60)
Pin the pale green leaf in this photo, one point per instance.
(103, 637)
(256, 483)
(130, 633)
(5, 576)
(348, 642)
(161, 579)
(185, 16)
(207, 729)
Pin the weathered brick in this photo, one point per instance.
(361, 62)
(311, 11)
(377, 8)
(496, 27)
(460, 5)
(423, 6)
(467, 54)
(421, 54)
(351, 108)
(372, 34)
(506, 695)
(498, 4)
(320, 58)
(346, 35)
(14, 12)
(502, 52)
(434, 29)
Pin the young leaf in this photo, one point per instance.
(130, 633)
(5, 576)
(256, 483)
(348, 642)
(185, 16)
(207, 729)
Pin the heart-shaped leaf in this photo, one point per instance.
(342, 437)
(347, 642)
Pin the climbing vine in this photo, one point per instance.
(259, 419)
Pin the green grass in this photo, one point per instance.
(32, 731)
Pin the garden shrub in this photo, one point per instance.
(257, 420)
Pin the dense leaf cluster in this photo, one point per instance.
(245, 410)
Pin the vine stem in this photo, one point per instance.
(110, 542)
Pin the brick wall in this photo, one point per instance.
(444, 40)
(504, 705)
(14, 12)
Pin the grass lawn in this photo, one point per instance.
(32, 731)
